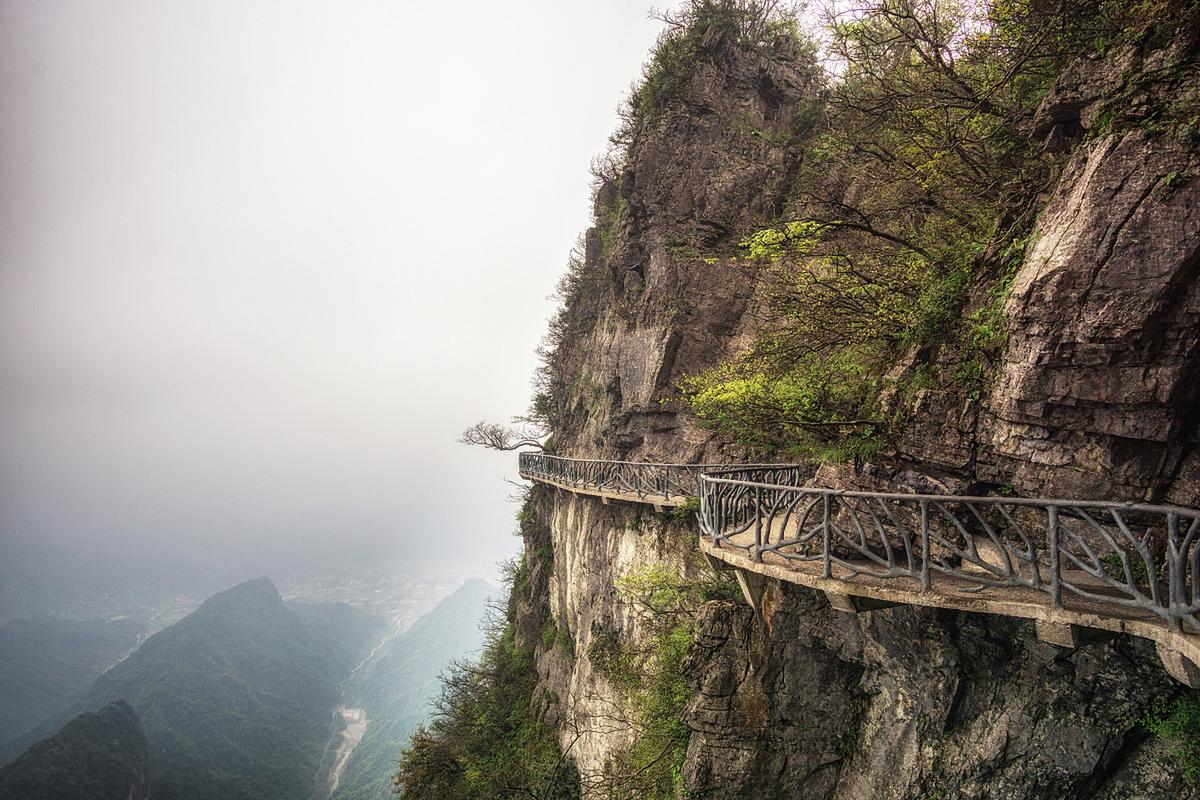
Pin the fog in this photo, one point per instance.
(261, 262)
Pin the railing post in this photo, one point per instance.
(757, 524)
(719, 530)
(1176, 596)
(826, 538)
(926, 578)
(1055, 565)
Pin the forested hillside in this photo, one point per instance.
(99, 755)
(46, 663)
(236, 698)
(398, 687)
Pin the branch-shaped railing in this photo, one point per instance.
(1095, 554)
(1135, 556)
(641, 480)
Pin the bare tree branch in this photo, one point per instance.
(495, 436)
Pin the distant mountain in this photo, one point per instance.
(96, 756)
(46, 663)
(396, 687)
(348, 632)
(236, 698)
(81, 583)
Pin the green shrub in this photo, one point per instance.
(556, 635)
(814, 409)
(751, 24)
(687, 511)
(1177, 725)
(487, 738)
(652, 678)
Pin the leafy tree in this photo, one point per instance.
(487, 738)
(916, 197)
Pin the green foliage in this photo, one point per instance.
(1141, 27)
(698, 32)
(652, 677)
(609, 657)
(752, 24)
(891, 250)
(818, 408)
(556, 635)
(969, 377)
(1114, 566)
(687, 511)
(790, 238)
(400, 683)
(1172, 181)
(488, 739)
(609, 219)
(1177, 725)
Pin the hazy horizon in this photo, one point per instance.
(261, 264)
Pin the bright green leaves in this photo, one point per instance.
(819, 408)
(798, 238)
(650, 674)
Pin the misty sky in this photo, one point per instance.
(261, 262)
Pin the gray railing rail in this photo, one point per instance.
(1106, 554)
(644, 480)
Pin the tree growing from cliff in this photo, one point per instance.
(913, 205)
(487, 738)
(496, 436)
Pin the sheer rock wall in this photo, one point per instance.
(1096, 395)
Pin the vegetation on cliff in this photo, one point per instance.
(653, 677)
(1177, 725)
(489, 737)
(911, 185)
(880, 258)
(919, 189)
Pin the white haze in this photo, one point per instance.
(261, 262)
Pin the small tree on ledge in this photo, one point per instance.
(495, 436)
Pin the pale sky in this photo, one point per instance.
(261, 262)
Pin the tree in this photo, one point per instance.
(495, 436)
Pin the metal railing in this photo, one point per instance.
(1095, 553)
(1144, 557)
(639, 479)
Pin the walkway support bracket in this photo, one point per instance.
(1057, 634)
(753, 586)
(717, 564)
(853, 604)
(1179, 666)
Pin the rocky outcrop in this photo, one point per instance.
(916, 703)
(594, 547)
(676, 298)
(803, 701)
(1095, 394)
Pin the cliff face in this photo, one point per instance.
(1095, 395)
(671, 296)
